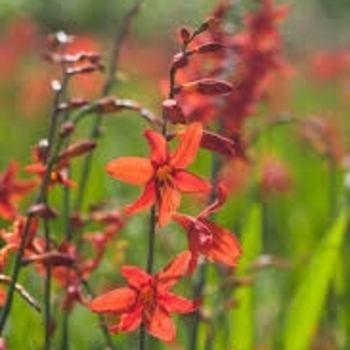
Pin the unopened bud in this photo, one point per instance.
(172, 112)
(207, 87)
(180, 60)
(185, 34)
(208, 24)
(66, 129)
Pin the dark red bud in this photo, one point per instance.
(172, 112)
(73, 104)
(207, 87)
(76, 150)
(180, 60)
(43, 210)
(67, 128)
(208, 24)
(209, 47)
(185, 34)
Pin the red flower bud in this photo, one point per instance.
(206, 87)
(172, 112)
(180, 60)
(209, 47)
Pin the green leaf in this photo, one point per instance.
(242, 317)
(306, 306)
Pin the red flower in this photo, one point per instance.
(209, 239)
(164, 174)
(14, 236)
(147, 299)
(12, 190)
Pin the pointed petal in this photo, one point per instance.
(184, 220)
(128, 321)
(188, 223)
(134, 170)
(117, 300)
(158, 145)
(173, 271)
(7, 211)
(225, 247)
(135, 276)
(168, 204)
(173, 303)
(188, 146)
(187, 182)
(146, 200)
(161, 326)
(219, 201)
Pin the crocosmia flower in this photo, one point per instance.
(147, 299)
(163, 174)
(207, 238)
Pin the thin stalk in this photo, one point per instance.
(150, 263)
(68, 236)
(111, 71)
(47, 290)
(41, 196)
(103, 324)
(201, 277)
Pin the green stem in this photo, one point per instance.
(47, 291)
(150, 263)
(200, 280)
(40, 198)
(111, 71)
(103, 325)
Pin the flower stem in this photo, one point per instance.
(200, 280)
(47, 290)
(40, 198)
(150, 263)
(111, 72)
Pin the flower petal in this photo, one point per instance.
(161, 326)
(219, 201)
(173, 303)
(187, 182)
(134, 170)
(158, 145)
(188, 146)
(168, 276)
(168, 204)
(225, 247)
(135, 276)
(128, 321)
(117, 300)
(147, 199)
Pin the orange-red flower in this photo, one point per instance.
(147, 299)
(163, 174)
(209, 239)
(11, 190)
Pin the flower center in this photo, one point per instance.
(148, 299)
(205, 236)
(163, 174)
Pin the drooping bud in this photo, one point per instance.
(72, 104)
(43, 210)
(209, 47)
(66, 129)
(76, 150)
(185, 34)
(180, 60)
(172, 112)
(208, 24)
(206, 87)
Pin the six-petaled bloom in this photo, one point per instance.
(207, 238)
(148, 300)
(11, 191)
(163, 174)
